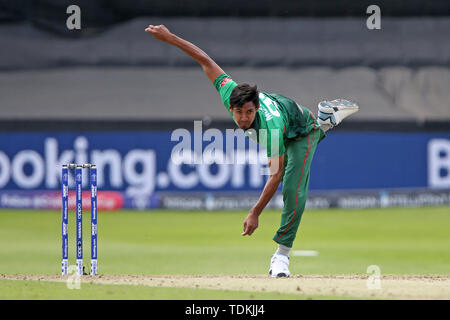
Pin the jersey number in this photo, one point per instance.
(270, 104)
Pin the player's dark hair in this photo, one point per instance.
(242, 94)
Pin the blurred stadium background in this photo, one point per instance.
(112, 95)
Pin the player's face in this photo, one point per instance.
(245, 115)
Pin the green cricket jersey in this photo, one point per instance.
(279, 117)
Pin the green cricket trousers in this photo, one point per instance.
(297, 163)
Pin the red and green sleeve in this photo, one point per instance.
(225, 85)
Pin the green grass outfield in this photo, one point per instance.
(398, 240)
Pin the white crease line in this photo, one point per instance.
(305, 253)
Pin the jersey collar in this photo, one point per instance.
(256, 125)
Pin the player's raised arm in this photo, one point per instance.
(211, 68)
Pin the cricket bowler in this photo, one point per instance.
(289, 132)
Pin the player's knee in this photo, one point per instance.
(289, 192)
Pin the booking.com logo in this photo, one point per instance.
(185, 159)
(222, 148)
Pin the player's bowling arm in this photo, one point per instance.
(209, 66)
(276, 167)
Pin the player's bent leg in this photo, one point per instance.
(295, 190)
(331, 113)
(294, 205)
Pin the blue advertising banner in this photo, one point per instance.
(373, 160)
(141, 163)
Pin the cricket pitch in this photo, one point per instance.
(358, 286)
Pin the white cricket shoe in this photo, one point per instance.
(331, 113)
(279, 266)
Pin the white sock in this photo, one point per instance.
(283, 250)
(325, 126)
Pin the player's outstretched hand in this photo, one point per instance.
(250, 224)
(159, 32)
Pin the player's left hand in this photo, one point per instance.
(250, 224)
(160, 32)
